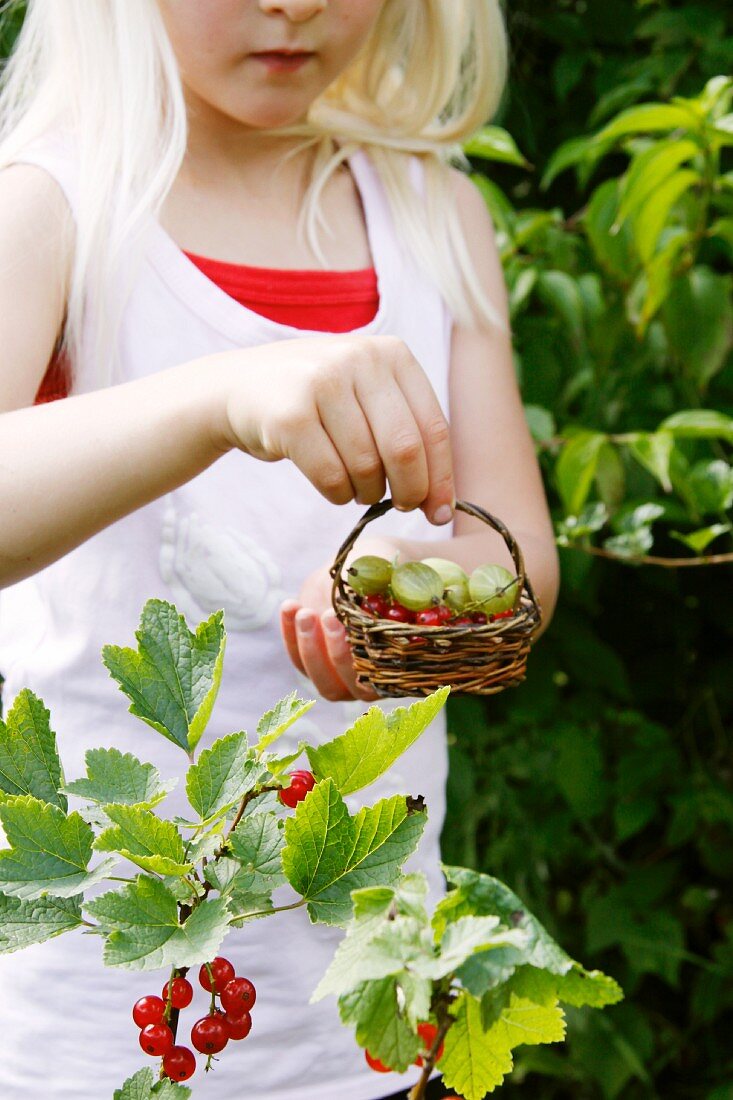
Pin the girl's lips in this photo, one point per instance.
(282, 61)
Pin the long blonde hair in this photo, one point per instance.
(430, 74)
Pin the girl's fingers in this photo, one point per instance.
(398, 437)
(339, 652)
(352, 437)
(313, 653)
(287, 625)
(436, 438)
(314, 454)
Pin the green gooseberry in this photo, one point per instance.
(493, 587)
(369, 575)
(448, 571)
(456, 595)
(416, 586)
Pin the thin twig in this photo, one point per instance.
(651, 559)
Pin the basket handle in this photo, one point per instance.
(383, 506)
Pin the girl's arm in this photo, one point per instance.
(351, 412)
(494, 466)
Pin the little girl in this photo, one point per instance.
(230, 235)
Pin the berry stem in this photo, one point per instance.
(246, 799)
(269, 912)
(171, 1013)
(441, 1003)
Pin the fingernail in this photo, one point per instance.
(305, 623)
(331, 624)
(444, 514)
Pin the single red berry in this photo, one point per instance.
(238, 1027)
(292, 795)
(428, 617)
(148, 1010)
(509, 614)
(462, 620)
(399, 614)
(222, 971)
(179, 1064)
(238, 997)
(210, 1034)
(428, 1033)
(308, 778)
(181, 993)
(156, 1039)
(375, 1064)
(375, 605)
(445, 613)
(479, 617)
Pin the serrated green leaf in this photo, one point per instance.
(483, 895)
(328, 853)
(380, 1026)
(142, 1087)
(525, 1023)
(221, 775)
(113, 776)
(276, 765)
(468, 936)
(173, 678)
(49, 851)
(25, 922)
(581, 987)
(258, 842)
(469, 1064)
(359, 756)
(142, 837)
(29, 759)
(143, 931)
(274, 722)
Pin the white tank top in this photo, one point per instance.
(241, 536)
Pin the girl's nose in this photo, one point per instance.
(297, 10)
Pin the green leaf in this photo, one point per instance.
(141, 1087)
(468, 936)
(143, 930)
(274, 722)
(174, 676)
(610, 476)
(698, 541)
(614, 251)
(650, 169)
(653, 451)
(49, 851)
(276, 765)
(25, 922)
(559, 291)
(380, 1026)
(258, 842)
(710, 486)
(470, 1065)
(699, 424)
(483, 895)
(592, 518)
(723, 228)
(648, 118)
(29, 759)
(118, 777)
(221, 775)
(576, 469)
(328, 853)
(495, 143)
(541, 423)
(142, 837)
(581, 987)
(652, 218)
(359, 756)
(698, 320)
(631, 544)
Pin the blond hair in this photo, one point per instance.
(430, 74)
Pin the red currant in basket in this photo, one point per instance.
(148, 1010)
(375, 1064)
(300, 783)
(156, 1039)
(238, 997)
(399, 614)
(479, 617)
(222, 972)
(179, 1064)
(181, 993)
(375, 605)
(445, 613)
(210, 1034)
(428, 617)
(427, 1033)
(462, 620)
(508, 614)
(238, 1028)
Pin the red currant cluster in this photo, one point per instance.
(211, 1033)
(300, 783)
(382, 608)
(428, 1034)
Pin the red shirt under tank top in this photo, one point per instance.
(324, 301)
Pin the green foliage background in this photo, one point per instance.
(602, 790)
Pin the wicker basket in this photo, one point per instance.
(406, 659)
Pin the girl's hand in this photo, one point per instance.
(352, 412)
(316, 640)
